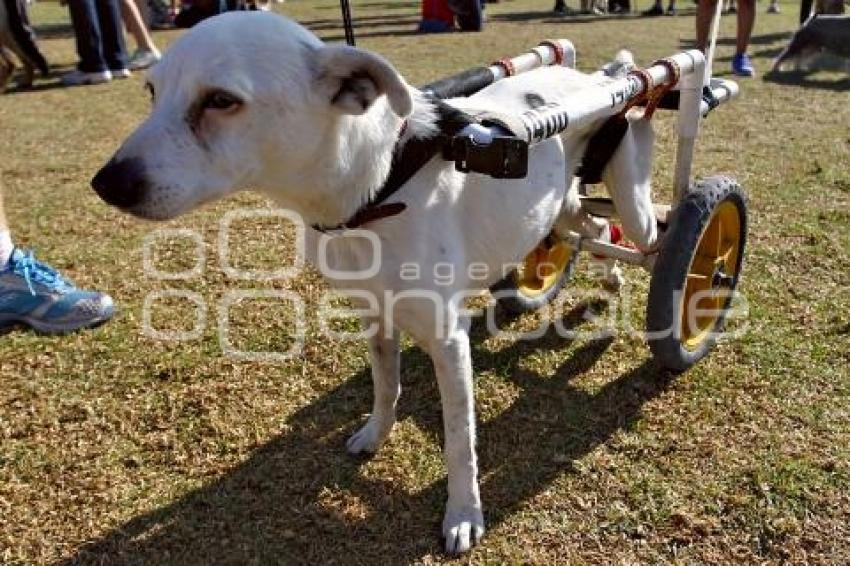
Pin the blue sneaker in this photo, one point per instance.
(742, 65)
(35, 294)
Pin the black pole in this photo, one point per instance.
(346, 22)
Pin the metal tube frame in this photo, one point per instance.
(466, 83)
(601, 101)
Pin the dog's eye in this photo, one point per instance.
(220, 100)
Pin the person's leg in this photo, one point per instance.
(656, 9)
(87, 31)
(112, 32)
(705, 13)
(144, 10)
(136, 26)
(6, 246)
(146, 52)
(24, 44)
(742, 65)
(35, 294)
(746, 20)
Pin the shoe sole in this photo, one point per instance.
(9, 321)
(143, 65)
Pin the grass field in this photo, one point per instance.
(119, 448)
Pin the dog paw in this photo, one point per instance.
(462, 529)
(369, 438)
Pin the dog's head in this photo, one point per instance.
(246, 99)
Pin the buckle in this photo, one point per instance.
(505, 157)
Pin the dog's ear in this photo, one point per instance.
(353, 79)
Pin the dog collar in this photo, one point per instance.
(408, 158)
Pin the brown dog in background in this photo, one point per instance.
(17, 37)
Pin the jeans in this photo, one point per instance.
(100, 35)
(19, 26)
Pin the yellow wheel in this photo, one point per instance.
(696, 273)
(714, 267)
(537, 280)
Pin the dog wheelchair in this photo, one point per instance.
(696, 264)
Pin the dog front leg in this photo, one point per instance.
(384, 355)
(463, 524)
(7, 67)
(28, 77)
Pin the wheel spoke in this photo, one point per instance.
(696, 282)
(719, 244)
(726, 253)
(702, 265)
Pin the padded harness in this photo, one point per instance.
(410, 156)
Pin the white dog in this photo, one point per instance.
(253, 100)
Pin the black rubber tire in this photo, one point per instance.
(663, 308)
(514, 301)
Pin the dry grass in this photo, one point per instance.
(119, 448)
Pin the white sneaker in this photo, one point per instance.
(121, 73)
(143, 58)
(78, 77)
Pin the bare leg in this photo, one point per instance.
(705, 13)
(384, 354)
(136, 26)
(6, 245)
(144, 11)
(746, 20)
(4, 224)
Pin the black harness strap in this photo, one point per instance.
(408, 159)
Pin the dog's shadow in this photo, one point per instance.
(270, 508)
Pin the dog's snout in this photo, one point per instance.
(122, 183)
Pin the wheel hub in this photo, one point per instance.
(720, 279)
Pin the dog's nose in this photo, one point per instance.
(121, 183)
